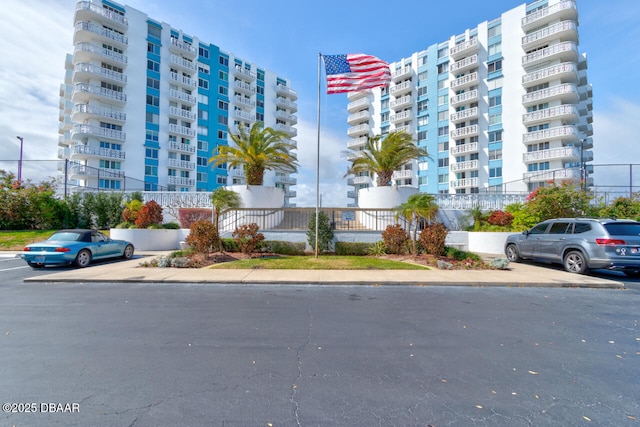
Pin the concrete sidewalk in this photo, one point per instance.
(518, 275)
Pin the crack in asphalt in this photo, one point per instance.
(302, 348)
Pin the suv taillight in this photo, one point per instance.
(610, 242)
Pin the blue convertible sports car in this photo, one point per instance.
(77, 247)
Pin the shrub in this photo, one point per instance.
(171, 226)
(247, 237)
(284, 248)
(130, 212)
(352, 248)
(432, 239)
(202, 236)
(150, 213)
(395, 238)
(501, 218)
(325, 233)
(377, 249)
(188, 216)
(459, 255)
(229, 245)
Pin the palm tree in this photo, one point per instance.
(382, 157)
(259, 150)
(223, 199)
(420, 205)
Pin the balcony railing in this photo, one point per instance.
(568, 90)
(179, 180)
(464, 148)
(92, 110)
(464, 97)
(552, 154)
(101, 72)
(464, 63)
(184, 63)
(356, 142)
(182, 96)
(245, 87)
(464, 80)
(182, 113)
(403, 72)
(283, 102)
(464, 183)
(404, 115)
(460, 48)
(244, 116)
(359, 129)
(551, 133)
(552, 175)
(400, 88)
(551, 113)
(182, 130)
(567, 50)
(358, 104)
(288, 129)
(359, 116)
(102, 32)
(533, 19)
(550, 31)
(98, 132)
(80, 149)
(185, 80)
(105, 13)
(247, 102)
(98, 50)
(464, 131)
(464, 114)
(182, 46)
(287, 91)
(400, 102)
(181, 164)
(553, 72)
(466, 165)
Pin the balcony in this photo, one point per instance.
(84, 71)
(566, 93)
(401, 88)
(353, 155)
(358, 117)
(183, 63)
(568, 153)
(464, 97)
(182, 181)
(405, 128)
(244, 87)
(357, 143)
(464, 166)
(352, 194)
(183, 97)
(400, 102)
(84, 92)
(182, 148)
(287, 117)
(358, 105)
(244, 73)
(182, 130)
(80, 151)
(184, 81)
(85, 52)
(86, 10)
(244, 101)
(564, 52)
(244, 116)
(82, 112)
(464, 81)
(565, 10)
(464, 183)
(463, 148)
(359, 130)
(464, 131)
(566, 113)
(463, 49)
(402, 73)
(403, 174)
(286, 91)
(567, 72)
(183, 48)
(552, 175)
(285, 179)
(290, 194)
(564, 30)
(468, 113)
(82, 131)
(82, 172)
(182, 113)
(88, 31)
(285, 103)
(565, 133)
(181, 164)
(288, 129)
(359, 180)
(400, 117)
(464, 64)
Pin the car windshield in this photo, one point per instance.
(623, 228)
(66, 236)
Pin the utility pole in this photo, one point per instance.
(20, 161)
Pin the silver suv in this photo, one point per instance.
(580, 244)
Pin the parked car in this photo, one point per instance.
(580, 244)
(77, 246)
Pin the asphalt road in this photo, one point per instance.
(196, 355)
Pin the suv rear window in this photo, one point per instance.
(623, 228)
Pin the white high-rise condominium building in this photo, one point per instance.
(144, 105)
(504, 107)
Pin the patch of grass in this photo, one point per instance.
(17, 240)
(327, 262)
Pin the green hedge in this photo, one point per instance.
(352, 248)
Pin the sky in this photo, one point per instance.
(286, 36)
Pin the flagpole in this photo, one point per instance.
(318, 158)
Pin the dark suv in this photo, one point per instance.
(580, 244)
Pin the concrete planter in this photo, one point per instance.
(478, 241)
(151, 239)
(255, 196)
(384, 197)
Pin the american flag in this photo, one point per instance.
(355, 72)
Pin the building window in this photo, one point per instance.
(495, 136)
(153, 66)
(423, 120)
(495, 30)
(153, 48)
(109, 184)
(203, 114)
(495, 48)
(203, 99)
(442, 52)
(153, 118)
(153, 100)
(222, 135)
(151, 153)
(443, 131)
(154, 31)
(443, 99)
(203, 130)
(204, 84)
(495, 154)
(494, 66)
(153, 83)
(443, 179)
(422, 135)
(224, 61)
(223, 76)
(203, 52)
(151, 170)
(223, 120)
(443, 146)
(495, 119)
(443, 68)
(423, 180)
(443, 163)
(152, 135)
(224, 106)
(495, 100)
(443, 116)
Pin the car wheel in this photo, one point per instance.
(34, 265)
(575, 262)
(128, 252)
(512, 253)
(83, 258)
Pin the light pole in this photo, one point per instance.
(20, 161)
